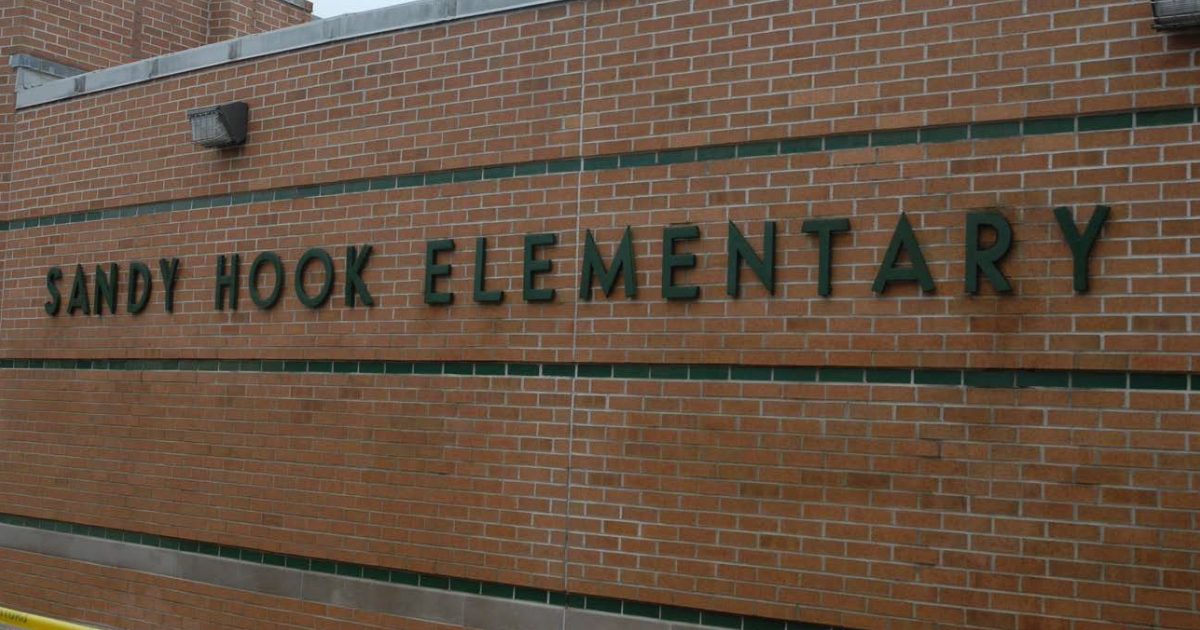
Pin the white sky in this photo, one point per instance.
(330, 8)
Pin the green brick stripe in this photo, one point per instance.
(1000, 379)
(812, 144)
(497, 590)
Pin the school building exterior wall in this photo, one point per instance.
(665, 314)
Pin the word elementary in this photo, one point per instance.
(979, 260)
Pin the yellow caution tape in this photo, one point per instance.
(19, 619)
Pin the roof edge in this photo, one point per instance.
(326, 31)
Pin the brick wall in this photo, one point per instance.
(905, 460)
(92, 35)
(164, 26)
(234, 18)
(518, 78)
(9, 16)
(86, 35)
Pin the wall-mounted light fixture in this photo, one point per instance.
(219, 126)
(1175, 14)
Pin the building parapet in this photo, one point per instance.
(316, 33)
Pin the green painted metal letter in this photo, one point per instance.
(985, 259)
(55, 302)
(824, 229)
(593, 265)
(433, 271)
(170, 271)
(140, 284)
(1081, 245)
(672, 261)
(266, 258)
(106, 288)
(534, 266)
(79, 294)
(227, 282)
(903, 239)
(739, 249)
(356, 261)
(482, 296)
(321, 256)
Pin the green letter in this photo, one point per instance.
(985, 259)
(481, 296)
(1081, 246)
(170, 271)
(320, 255)
(672, 261)
(824, 229)
(139, 276)
(593, 265)
(903, 238)
(79, 294)
(106, 289)
(266, 258)
(227, 281)
(739, 249)
(535, 266)
(53, 276)
(355, 262)
(433, 271)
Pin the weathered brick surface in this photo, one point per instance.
(860, 505)
(505, 88)
(429, 91)
(87, 35)
(106, 33)
(439, 475)
(233, 18)
(867, 505)
(9, 18)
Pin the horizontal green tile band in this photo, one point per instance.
(997, 379)
(646, 610)
(757, 148)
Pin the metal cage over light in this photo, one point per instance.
(1175, 14)
(219, 126)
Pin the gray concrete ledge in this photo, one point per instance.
(469, 611)
(45, 66)
(33, 71)
(316, 33)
